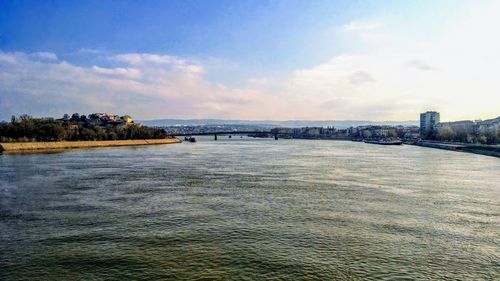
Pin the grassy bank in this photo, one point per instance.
(61, 145)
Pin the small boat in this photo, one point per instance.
(385, 141)
(190, 139)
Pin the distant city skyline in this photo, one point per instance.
(251, 60)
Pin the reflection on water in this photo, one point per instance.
(247, 209)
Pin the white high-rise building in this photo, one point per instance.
(428, 122)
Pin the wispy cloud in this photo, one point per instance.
(360, 77)
(45, 55)
(367, 31)
(344, 87)
(89, 51)
(145, 90)
(419, 64)
(357, 26)
(130, 73)
(159, 86)
(148, 59)
(375, 81)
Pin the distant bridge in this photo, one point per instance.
(228, 133)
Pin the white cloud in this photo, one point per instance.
(89, 51)
(356, 26)
(149, 59)
(45, 55)
(346, 85)
(360, 77)
(7, 58)
(145, 90)
(377, 80)
(456, 57)
(344, 88)
(130, 73)
(419, 64)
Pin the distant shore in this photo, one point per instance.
(62, 145)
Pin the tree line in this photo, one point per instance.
(467, 135)
(75, 128)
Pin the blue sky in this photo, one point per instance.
(248, 59)
(255, 34)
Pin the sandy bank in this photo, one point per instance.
(60, 145)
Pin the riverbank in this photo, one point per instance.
(62, 145)
(488, 150)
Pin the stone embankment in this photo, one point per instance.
(489, 150)
(61, 145)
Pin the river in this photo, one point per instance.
(250, 209)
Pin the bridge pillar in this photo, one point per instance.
(215, 136)
(276, 136)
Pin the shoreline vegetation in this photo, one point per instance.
(95, 127)
(65, 145)
(28, 134)
(51, 146)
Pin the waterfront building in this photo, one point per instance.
(463, 131)
(328, 132)
(487, 131)
(428, 122)
(490, 123)
(383, 131)
(127, 119)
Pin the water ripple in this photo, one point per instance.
(249, 209)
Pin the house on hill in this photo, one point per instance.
(127, 119)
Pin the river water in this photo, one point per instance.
(250, 209)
